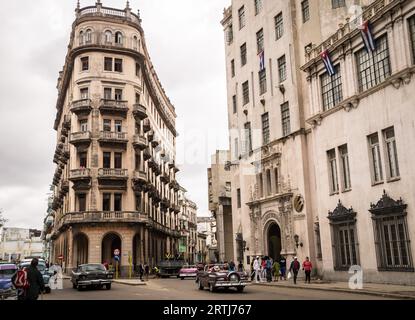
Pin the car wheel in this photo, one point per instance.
(47, 290)
(108, 286)
(200, 285)
(240, 289)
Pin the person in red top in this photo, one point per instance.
(307, 267)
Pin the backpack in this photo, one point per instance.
(21, 281)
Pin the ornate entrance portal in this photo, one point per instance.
(274, 242)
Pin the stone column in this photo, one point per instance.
(393, 52)
(273, 182)
(264, 184)
(401, 44)
(220, 233)
(142, 244)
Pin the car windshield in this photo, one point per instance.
(93, 267)
(7, 273)
(41, 267)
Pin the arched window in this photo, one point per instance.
(81, 38)
(88, 36)
(118, 38)
(108, 36)
(135, 43)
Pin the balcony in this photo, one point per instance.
(114, 138)
(140, 177)
(139, 112)
(150, 136)
(146, 154)
(139, 142)
(67, 119)
(174, 185)
(165, 178)
(117, 107)
(80, 174)
(81, 107)
(146, 125)
(113, 174)
(155, 143)
(80, 138)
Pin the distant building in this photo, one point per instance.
(207, 226)
(201, 248)
(18, 243)
(188, 227)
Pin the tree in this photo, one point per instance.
(2, 219)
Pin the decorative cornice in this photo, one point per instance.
(341, 214)
(386, 205)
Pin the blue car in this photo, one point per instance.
(7, 290)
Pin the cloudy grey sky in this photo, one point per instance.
(185, 41)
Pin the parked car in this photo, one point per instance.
(43, 270)
(7, 290)
(91, 275)
(218, 276)
(169, 268)
(188, 271)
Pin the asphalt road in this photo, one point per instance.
(175, 289)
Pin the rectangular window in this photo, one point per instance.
(137, 70)
(248, 137)
(375, 159)
(285, 119)
(82, 160)
(107, 125)
(118, 160)
(118, 65)
(106, 202)
(282, 68)
(245, 92)
(265, 128)
(258, 6)
(411, 22)
(337, 4)
(85, 63)
(393, 242)
(243, 55)
(262, 81)
(233, 68)
(334, 181)
(107, 93)
(345, 245)
(138, 206)
(241, 15)
(331, 88)
(107, 64)
(260, 40)
(118, 202)
(84, 93)
(118, 94)
(83, 124)
(305, 9)
(373, 68)
(118, 126)
(238, 196)
(81, 202)
(345, 168)
(391, 153)
(279, 26)
(234, 104)
(107, 160)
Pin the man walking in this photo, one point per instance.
(257, 269)
(283, 268)
(268, 268)
(294, 268)
(35, 279)
(307, 267)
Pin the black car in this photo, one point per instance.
(91, 275)
(219, 276)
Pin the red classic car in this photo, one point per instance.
(188, 271)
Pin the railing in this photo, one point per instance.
(81, 104)
(80, 173)
(105, 11)
(112, 173)
(114, 104)
(138, 108)
(140, 175)
(84, 135)
(84, 217)
(139, 139)
(115, 136)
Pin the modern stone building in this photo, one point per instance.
(219, 190)
(115, 181)
(361, 146)
(321, 164)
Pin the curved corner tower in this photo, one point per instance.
(114, 185)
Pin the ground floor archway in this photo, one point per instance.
(110, 242)
(274, 241)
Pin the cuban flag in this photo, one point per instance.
(327, 62)
(366, 31)
(261, 60)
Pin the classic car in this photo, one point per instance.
(219, 276)
(91, 275)
(7, 290)
(169, 268)
(188, 271)
(43, 270)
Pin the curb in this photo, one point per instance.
(363, 292)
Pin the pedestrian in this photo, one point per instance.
(240, 267)
(140, 270)
(294, 268)
(276, 270)
(106, 265)
(268, 267)
(257, 269)
(283, 268)
(307, 267)
(35, 279)
(232, 266)
(147, 270)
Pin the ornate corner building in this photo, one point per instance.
(115, 183)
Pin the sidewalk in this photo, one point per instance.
(383, 290)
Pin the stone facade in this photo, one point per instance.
(115, 183)
(18, 243)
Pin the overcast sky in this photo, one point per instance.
(185, 41)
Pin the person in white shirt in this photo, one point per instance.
(257, 268)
